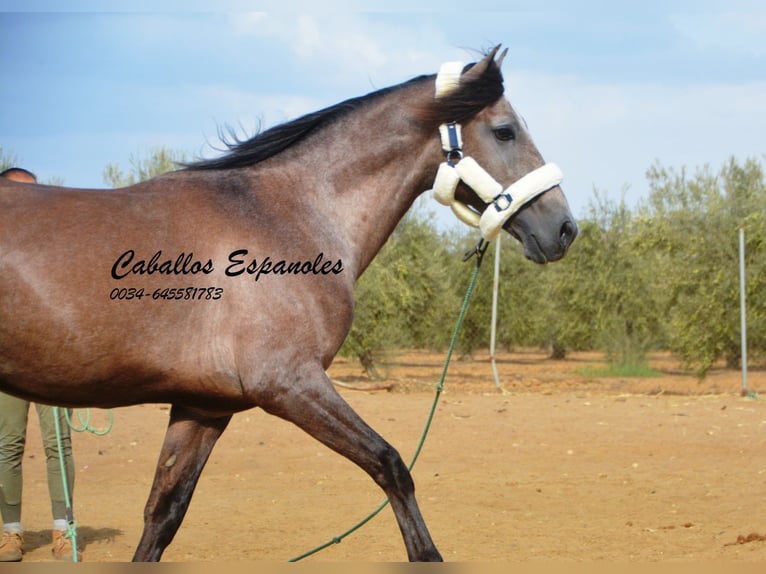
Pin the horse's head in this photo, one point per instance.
(503, 182)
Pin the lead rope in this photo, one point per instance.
(479, 251)
(71, 531)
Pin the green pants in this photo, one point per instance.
(13, 434)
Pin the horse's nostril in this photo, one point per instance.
(568, 233)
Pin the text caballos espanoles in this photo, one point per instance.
(238, 263)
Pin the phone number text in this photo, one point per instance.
(167, 294)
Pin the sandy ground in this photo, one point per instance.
(561, 466)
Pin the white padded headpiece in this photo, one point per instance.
(448, 78)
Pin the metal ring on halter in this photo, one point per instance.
(454, 156)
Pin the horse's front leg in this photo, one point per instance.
(313, 404)
(187, 446)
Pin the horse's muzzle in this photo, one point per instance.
(545, 228)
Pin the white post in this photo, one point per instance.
(743, 314)
(495, 287)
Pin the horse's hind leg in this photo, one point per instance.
(313, 404)
(188, 443)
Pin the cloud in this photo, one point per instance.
(344, 47)
(735, 31)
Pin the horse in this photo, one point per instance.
(228, 283)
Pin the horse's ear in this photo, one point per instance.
(478, 70)
(500, 59)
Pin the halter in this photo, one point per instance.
(502, 204)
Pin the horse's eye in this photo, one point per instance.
(505, 133)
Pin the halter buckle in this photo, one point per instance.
(502, 202)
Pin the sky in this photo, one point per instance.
(607, 89)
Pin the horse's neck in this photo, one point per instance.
(374, 170)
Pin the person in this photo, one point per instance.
(19, 174)
(13, 430)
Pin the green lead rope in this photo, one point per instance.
(479, 251)
(71, 531)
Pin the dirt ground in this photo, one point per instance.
(561, 466)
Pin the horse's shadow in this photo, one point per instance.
(34, 539)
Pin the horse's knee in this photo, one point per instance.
(393, 472)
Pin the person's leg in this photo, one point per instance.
(52, 461)
(62, 546)
(13, 430)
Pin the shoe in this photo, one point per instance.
(62, 547)
(11, 547)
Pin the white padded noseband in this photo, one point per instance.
(502, 203)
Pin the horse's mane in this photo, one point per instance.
(463, 103)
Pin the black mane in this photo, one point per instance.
(460, 105)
